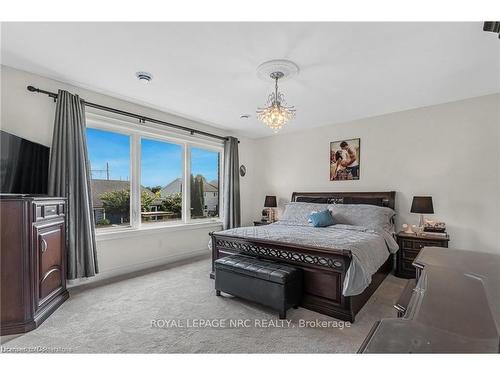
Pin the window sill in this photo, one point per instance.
(153, 229)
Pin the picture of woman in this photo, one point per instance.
(344, 160)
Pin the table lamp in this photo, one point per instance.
(422, 205)
(270, 204)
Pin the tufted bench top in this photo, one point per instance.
(258, 268)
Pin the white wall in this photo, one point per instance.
(449, 151)
(31, 116)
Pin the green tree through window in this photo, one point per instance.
(197, 196)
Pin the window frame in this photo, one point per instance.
(221, 177)
(131, 167)
(138, 131)
(139, 175)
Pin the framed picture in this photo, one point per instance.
(345, 160)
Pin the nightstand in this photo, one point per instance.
(409, 247)
(259, 223)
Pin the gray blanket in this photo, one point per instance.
(370, 248)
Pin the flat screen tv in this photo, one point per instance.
(24, 165)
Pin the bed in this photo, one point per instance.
(343, 264)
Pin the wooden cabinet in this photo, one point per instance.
(410, 246)
(33, 260)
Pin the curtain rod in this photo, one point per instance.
(142, 119)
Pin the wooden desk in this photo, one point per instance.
(454, 307)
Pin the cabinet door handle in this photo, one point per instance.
(44, 246)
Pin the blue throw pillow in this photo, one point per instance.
(321, 219)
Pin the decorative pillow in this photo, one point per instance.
(322, 219)
(297, 213)
(364, 215)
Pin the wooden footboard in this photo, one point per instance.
(324, 271)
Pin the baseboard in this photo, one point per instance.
(132, 268)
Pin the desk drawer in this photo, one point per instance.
(401, 305)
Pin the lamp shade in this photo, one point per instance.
(270, 201)
(422, 205)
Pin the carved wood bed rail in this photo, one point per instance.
(324, 269)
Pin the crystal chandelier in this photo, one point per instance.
(277, 113)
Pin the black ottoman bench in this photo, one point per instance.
(272, 284)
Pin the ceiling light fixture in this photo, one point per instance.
(277, 114)
(144, 77)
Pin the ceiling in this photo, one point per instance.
(207, 71)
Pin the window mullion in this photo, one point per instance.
(186, 191)
(135, 196)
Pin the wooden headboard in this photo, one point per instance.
(377, 198)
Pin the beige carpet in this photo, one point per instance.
(117, 317)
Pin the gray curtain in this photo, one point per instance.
(69, 176)
(232, 214)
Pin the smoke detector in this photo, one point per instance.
(144, 77)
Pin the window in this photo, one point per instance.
(161, 181)
(109, 156)
(204, 183)
(149, 177)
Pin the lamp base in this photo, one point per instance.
(271, 215)
(421, 221)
